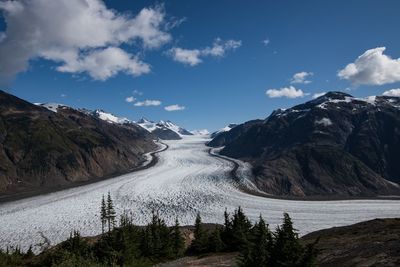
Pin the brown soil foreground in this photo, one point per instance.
(370, 243)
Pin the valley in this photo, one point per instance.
(185, 180)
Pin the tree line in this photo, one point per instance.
(126, 244)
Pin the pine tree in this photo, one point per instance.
(178, 240)
(110, 213)
(125, 220)
(240, 229)
(103, 214)
(215, 243)
(199, 244)
(263, 243)
(287, 249)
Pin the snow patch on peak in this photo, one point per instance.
(108, 117)
(152, 126)
(227, 128)
(324, 122)
(51, 106)
(370, 99)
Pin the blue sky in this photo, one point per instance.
(318, 38)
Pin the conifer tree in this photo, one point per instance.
(258, 252)
(103, 214)
(287, 249)
(199, 244)
(240, 229)
(110, 213)
(215, 243)
(178, 242)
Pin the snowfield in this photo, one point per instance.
(186, 180)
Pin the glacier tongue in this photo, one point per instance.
(186, 180)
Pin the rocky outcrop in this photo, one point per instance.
(40, 148)
(335, 145)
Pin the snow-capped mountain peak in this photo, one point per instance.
(225, 129)
(163, 125)
(144, 120)
(51, 106)
(108, 117)
(339, 101)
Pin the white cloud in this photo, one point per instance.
(301, 77)
(186, 56)
(266, 41)
(78, 35)
(130, 99)
(192, 57)
(174, 108)
(137, 92)
(219, 47)
(147, 103)
(289, 92)
(316, 95)
(63, 95)
(392, 92)
(103, 64)
(372, 68)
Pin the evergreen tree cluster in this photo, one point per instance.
(258, 246)
(131, 245)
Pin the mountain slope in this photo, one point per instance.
(335, 145)
(52, 146)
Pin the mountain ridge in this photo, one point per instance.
(332, 145)
(43, 146)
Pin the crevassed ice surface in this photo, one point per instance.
(186, 180)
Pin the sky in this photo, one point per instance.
(201, 64)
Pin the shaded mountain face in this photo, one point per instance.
(46, 146)
(334, 145)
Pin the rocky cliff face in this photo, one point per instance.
(42, 148)
(335, 145)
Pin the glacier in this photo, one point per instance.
(185, 180)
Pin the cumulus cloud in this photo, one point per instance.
(79, 35)
(372, 68)
(289, 92)
(186, 56)
(265, 41)
(392, 92)
(301, 77)
(316, 95)
(147, 103)
(130, 99)
(193, 57)
(174, 108)
(105, 63)
(219, 47)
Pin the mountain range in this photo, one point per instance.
(49, 146)
(165, 130)
(334, 145)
